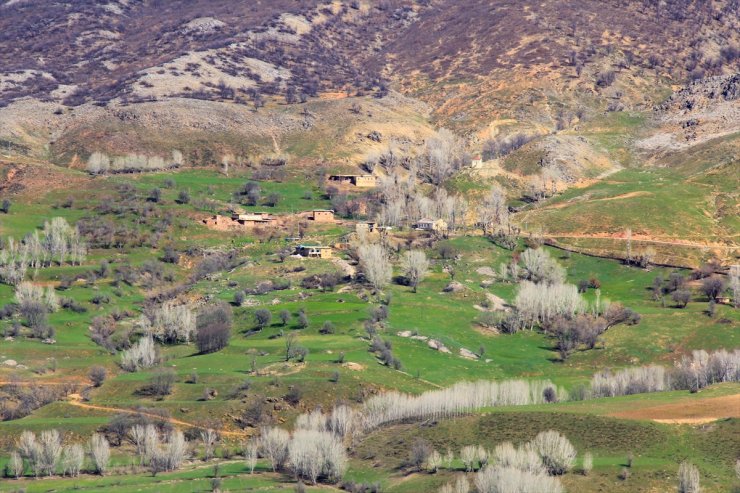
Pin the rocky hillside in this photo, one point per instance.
(315, 79)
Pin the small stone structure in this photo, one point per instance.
(364, 181)
(314, 251)
(426, 224)
(322, 215)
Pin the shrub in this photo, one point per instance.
(262, 318)
(97, 375)
(213, 328)
(160, 384)
(327, 328)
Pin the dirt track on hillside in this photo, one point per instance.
(76, 400)
(696, 411)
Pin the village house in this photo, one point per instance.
(322, 215)
(356, 180)
(477, 160)
(253, 218)
(314, 251)
(366, 227)
(426, 224)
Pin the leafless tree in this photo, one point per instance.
(540, 267)
(588, 463)
(51, 451)
(209, 438)
(313, 453)
(173, 323)
(375, 264)
(100, 453)
(250, 455)
(493, 213)
(468, 456)
(143, 354)
(433, 462)
(15, 464)
(688, 478)
(556, 451)
(274, 445)
(415, 267)
(734, 276)
(73, 457)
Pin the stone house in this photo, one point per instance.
(322, 215)
(314, 251)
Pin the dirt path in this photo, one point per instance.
(696, 411)
(76, 400)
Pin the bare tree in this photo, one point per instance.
(556, 451)
(462, 485)
(434, 461)
(173, 323)
(209, 438)
(250, 455)
(312, 453)
(375, 265)
(468, 455)
(735, 284)
(97, 375)
(588, 463)
(143, 354)
(146, 440)
(493, 213)
(15, 464)
(274, 446)
(497, 479)
(415, 267)
(73, 457)
(51, 450)
(688, 478)
(100, 453)
(539, 267)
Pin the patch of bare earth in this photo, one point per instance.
(697, 411)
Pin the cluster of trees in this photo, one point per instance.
(46, 454)
(142, 354)
(99, 163)
(375, 264)
(170, 323)
(402, 203)
(251, 194)
(57, 242)
(21, 400)
(213, 328)
(456, 400)
(309, 453)
(533, 466)
(690, 373)
(34, 304)
(711, 286)
(159, 455)
(540, 304)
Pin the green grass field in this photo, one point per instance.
(339, 367)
